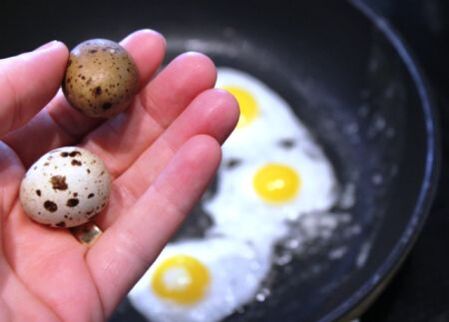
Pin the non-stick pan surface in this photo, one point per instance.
(347, 75)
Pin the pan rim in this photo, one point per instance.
(365, 295)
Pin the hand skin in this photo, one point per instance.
(162, 152)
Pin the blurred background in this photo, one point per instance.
(420, 291)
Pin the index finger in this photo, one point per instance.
(28, 81)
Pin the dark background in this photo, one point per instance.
(420, 291)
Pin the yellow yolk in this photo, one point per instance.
(249, 109)
(276, 183)
(182, 279)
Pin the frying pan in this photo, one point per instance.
(347, 75)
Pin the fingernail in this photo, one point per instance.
(48, 45)
(147, 31)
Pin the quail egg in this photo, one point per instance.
(66, 187)
(101, 78)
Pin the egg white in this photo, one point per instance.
(276, 120)
(236, 271)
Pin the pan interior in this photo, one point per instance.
(345, 82)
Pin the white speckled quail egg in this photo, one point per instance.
(66, 187)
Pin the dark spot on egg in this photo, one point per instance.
(93, 51)
(91, 195)
(106, 106)
(64, 154)
(88, 171)
(60, 224)
(58, 182)
(75, 194)
(76, 162)
(97, 91)
(74, 153)
(50, 206)
(72, 202)
(46, 164)
(69, 63)
(38, 192)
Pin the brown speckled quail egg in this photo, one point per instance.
(101, 78)
(66, 187)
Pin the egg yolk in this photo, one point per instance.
(276, 183)
(249, 109)
(182, 279)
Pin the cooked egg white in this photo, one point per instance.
(265, 117)
(199, 281)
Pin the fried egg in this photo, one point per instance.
(199, 281)
(265, 117)
(256, 197)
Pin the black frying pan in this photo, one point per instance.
(349, 77)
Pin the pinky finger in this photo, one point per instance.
(131, 244)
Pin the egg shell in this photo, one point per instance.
(101, 78)
(66, 187)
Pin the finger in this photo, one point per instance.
(124, 251)
(214, 113)
(120, 141)
(28, 82)
(59, 124)
(11, 172)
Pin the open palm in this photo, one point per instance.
(161, 152)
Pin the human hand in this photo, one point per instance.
(161, 153)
